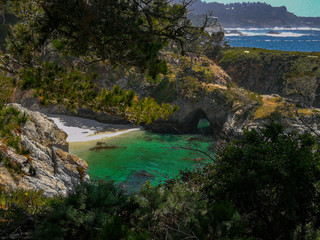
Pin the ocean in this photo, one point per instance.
(285, 39)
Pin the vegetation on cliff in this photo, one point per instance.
(55, 44)
(262, 186)
(293, 75)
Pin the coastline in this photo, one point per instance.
(85, 130)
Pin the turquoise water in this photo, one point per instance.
(139, 156)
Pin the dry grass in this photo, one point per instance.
(278, 106)
(308, 111)
(272, 105)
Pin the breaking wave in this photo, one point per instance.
(281, 34)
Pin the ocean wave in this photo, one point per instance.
(287, 34)
(276, 29)
(232, 35)
(296, 29)
(247, 29)
(252, 34)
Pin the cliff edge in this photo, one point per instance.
(44, 164)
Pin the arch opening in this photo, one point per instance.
(199, 123)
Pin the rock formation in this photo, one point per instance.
(205, 91)
(45, 164)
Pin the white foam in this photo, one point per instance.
(287, 34)
(232, 35)
(252, 34)
(83, 130)
(276, 29)
(296, 29)
(246, 29)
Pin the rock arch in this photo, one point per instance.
(192, 122)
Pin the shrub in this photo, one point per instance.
(272, 178)
(181, 211)
(21, 210)
(97, 210)
(11, 121)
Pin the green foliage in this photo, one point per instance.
(74, 89)
(92, 211)
(237, 55)
(6, 88)
(11, 121)
(21, 209)
(181, 211)
(272, 178)
(165, 91)
(54, 84)
(100, 210)
(123, 32)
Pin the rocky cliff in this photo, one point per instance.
(292, 75)
(203, 90)
(45, 163)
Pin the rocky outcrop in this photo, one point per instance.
(230, 110)
(227, 111)
(44, 163)
(202, 89)
(291, 75)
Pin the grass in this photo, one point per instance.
(269, 106)
(277, 107)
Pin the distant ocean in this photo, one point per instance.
(288, 39)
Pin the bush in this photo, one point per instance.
(97, 210)
(272, 178)
(181, 211)
(21, 210)
(100, 210)
(11, 121)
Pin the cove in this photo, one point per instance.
(132, 158)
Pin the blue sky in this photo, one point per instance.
(304, 8)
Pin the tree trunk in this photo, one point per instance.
(3, 18)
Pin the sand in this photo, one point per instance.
(84, 130)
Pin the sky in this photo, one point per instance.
(302, 8)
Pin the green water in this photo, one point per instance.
(141, 150)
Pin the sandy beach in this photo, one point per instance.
(84, 130)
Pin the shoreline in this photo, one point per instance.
(85, 130)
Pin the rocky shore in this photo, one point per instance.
(46, 164)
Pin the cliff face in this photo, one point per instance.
(226, 109)
(45, 164)
(202, 89)
(291, 75)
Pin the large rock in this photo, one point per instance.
(230, 110)
(47, 166)
(225, 115)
